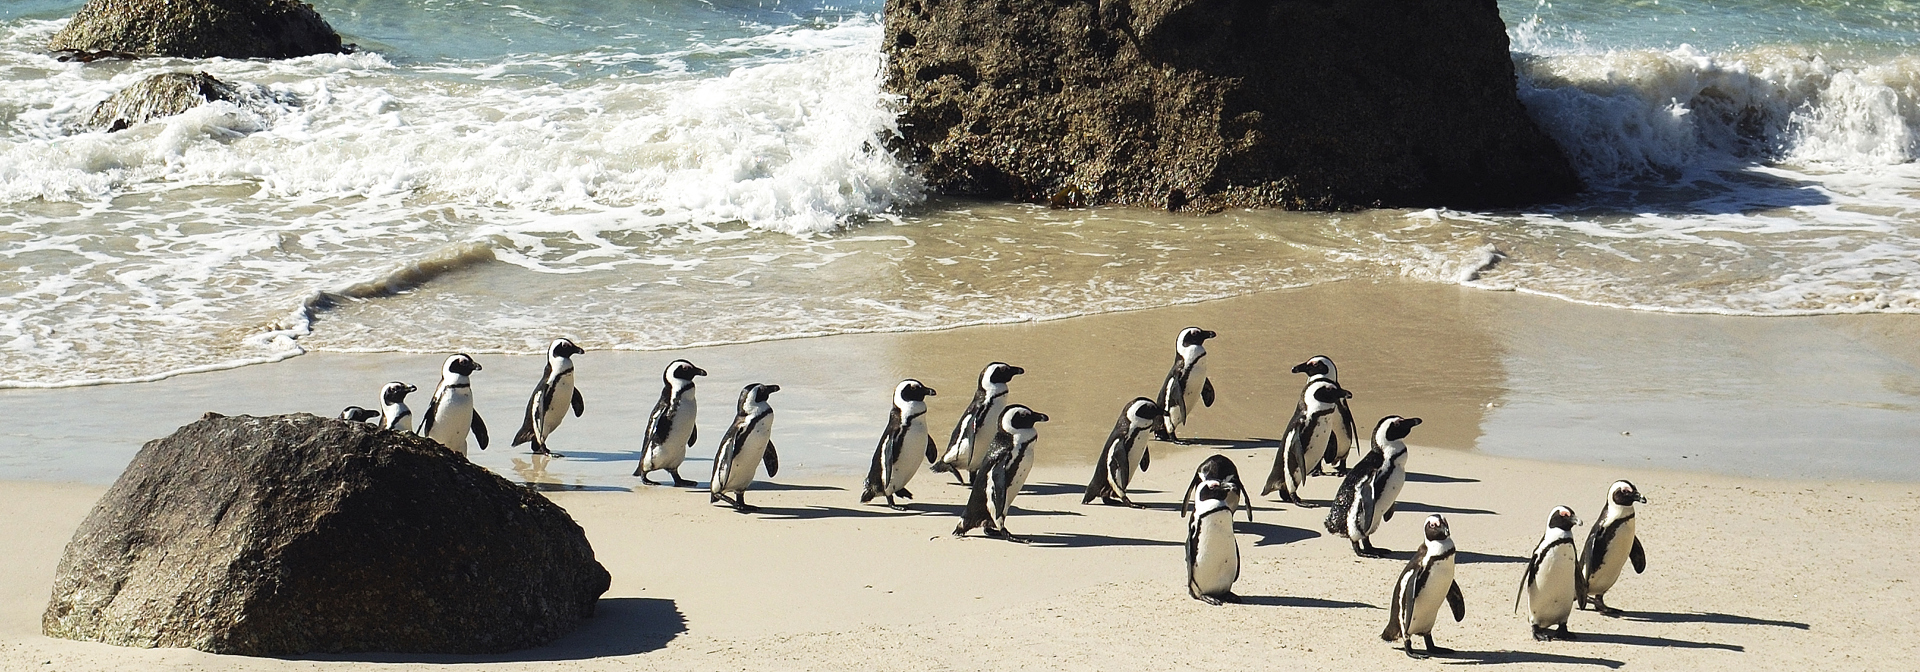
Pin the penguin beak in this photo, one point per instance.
(477, 366)
(1639, 498)
(1300, 368)
(931, 392)
(1346, 395)
(1039, 417)
(1412, 422)
(411, 388)
(1204, 335)
(699, 371)
(770, 388)
(1017, 370)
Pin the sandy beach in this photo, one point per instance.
(1744, 572)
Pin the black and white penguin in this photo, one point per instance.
(551, 397)
(1218, 468)
(897, 457)
(670, 429)
(1368, 493)
(394, 413)
(1424, 583)
(1187, 385)
(1335, 456)
(1213, 556)
(451, 416)
(358, 414)
(1123, 454)
(1000, 477)
(967, 448)
(1610, 545)
(1553, 582)
(747, 444)
(1307, 433)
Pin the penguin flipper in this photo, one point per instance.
(1389, 514)
(772, 460)
(1639, 557)
(579, 403)
(1146, 457)
(535, 404)
(933, 451)
(1533, 567)
(480, 430)
(433, 410)
(1457, 602)
(876, 481)
(1206, 393)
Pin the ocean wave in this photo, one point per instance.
(1628, 115)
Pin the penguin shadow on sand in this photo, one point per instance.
(1404, 506)
(1707, 617)
(1464, 557)
(1508, 657)
(1648, 640)
(1302, 602)
(1417, 477)
(1228, 444)
(1083, 540)
(621, 626)
(1272, 534)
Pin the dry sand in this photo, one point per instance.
(1743, 573)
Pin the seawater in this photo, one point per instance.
(482, 176)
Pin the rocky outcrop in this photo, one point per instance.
(198, 29)
(292, 534)
(162, 95)
(1312, 104)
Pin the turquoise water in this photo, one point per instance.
(485, 175)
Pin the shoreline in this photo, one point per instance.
(1500, 373)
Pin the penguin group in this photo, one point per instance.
(990, 451)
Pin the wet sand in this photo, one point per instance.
(1744, 573)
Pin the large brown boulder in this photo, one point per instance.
(293, 534)
(1316, 104)
(198, 29)
(158, 96)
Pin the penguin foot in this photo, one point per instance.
(1230, 597)
(684, 483)
(1542, 634)
(903, 494)
(648, 481)
(1564, 634)
(1136, 505)
(1407, 646)
(1601, 606)
(1373, 552)
(1209, 599)
(1434, 649)
(898, 507)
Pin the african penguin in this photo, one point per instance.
(999, 478)
(551, 397)
(967, 448)
(1553, 582)
(358, 414)
(1218, 468)
(1213, 556)
(450, 416)
(897, 456)
(1335, 456)
(747, 444)
(394, 413)
(1187, 384)
(670, 429)
(1610, 544)
(1368, 493)
(1311, 426)
(1123, 454)
(1424, 583)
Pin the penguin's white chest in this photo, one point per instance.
(1216, 561)
(1613, 560)
(1550, 596)
(1426, 603)
(1196, 381)
(1136, 453)
(1019, 476)
(559, 402)
(453, 419)
(753, 447)
(397, 417)
(1387, 491)
(673, 451)
(908, 461)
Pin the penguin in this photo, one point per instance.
(670, 429)
(747, 443)
(1426, 581)
(551, 397)
(967, 448)
(450, 416)
(1335, 456)
(1000, 477)
(1122, 454)
(1218, 468)
(1311, 426)
(1213, 556)
(357, 414)
(894, 460)
(1370, 490)
(1187, 383)
(1553, 582)
(394, 414)
(1610, 544)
